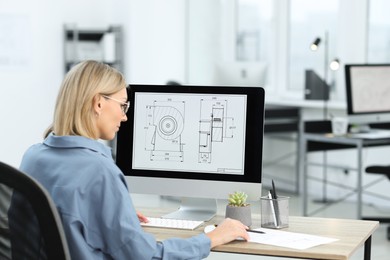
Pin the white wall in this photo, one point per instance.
(29, 90)
(203, 34)
(155, 47)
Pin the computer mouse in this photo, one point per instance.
(209, 228)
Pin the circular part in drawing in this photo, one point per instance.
(168, 125)
(169, 122)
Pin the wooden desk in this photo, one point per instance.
(352, 234)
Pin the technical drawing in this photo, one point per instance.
(214, 126)
(164, 126)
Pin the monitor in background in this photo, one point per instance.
(368, 94)
(241, 73)
(315, 87)
(196, 142)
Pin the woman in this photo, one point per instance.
(88, 188)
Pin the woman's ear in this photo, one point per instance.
(97, 104)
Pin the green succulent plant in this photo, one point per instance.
(238, 199)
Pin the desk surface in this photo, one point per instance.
(352, 234)
(327, 141)
(346, 139)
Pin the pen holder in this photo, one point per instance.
(274, 212)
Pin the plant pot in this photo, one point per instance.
(242, 214)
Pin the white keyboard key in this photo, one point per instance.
(172, 223)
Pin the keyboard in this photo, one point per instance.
(372, 134)
(172, 223)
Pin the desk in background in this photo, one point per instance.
(279, 120)
(318, 140)
(352, 234)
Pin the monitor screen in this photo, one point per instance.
(193, 141)
(368, 92)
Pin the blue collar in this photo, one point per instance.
(75, 141)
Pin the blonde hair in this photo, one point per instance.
(74, 113)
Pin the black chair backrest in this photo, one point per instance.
(318, 126)
(379, 169)
(30, 226)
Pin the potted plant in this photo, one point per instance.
(238, 208)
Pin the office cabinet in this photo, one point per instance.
(103, 45)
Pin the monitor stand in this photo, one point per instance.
(195, 209)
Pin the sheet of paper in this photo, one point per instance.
(288, 239)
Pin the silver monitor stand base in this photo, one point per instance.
(195, 209)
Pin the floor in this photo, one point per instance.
(380, 245)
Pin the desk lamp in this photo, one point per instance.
(333, 65)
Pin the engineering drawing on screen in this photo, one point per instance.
(190, 132)
(214, 126)
(371, 89)
(164, 126)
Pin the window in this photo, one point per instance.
(379, 32)
(254, 30)
(309, 20)
(254, 35)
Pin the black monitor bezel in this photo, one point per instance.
(349, 88)
(253, 140)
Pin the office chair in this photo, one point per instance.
(385, 170)
(30, 226)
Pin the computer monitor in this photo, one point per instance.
(199, 143)
(368, 93)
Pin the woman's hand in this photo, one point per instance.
(142, 218)
(227, 231)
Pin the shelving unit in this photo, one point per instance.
(103, 45)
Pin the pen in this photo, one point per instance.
(255, 231)
(273, 212)
(274, 190)
(249, 230)
(275, 202)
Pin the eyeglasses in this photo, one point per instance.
(124, 105)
